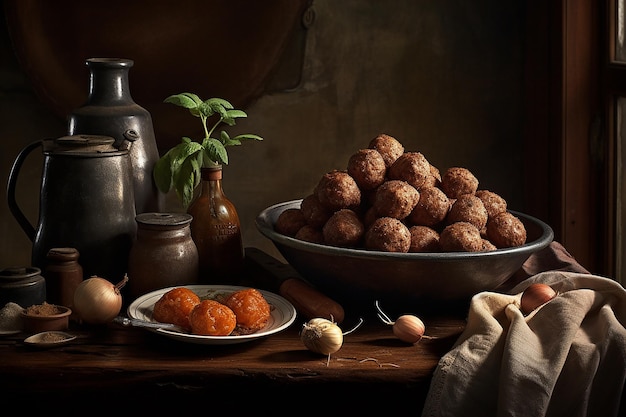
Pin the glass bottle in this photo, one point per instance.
(216, 230)
(163, 254)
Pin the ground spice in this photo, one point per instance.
(52, 337)
(10, 317)
(44, 309)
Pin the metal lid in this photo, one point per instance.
(81, 144)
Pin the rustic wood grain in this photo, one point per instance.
(158, 374)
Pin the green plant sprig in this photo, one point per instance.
(180, 167)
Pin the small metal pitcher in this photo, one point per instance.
(86, 202)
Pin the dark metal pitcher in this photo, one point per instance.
(86, 202)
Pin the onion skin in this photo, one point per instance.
(97, 300)
(534, 296)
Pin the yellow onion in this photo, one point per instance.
(97, 300)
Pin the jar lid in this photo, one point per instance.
(63, 254)
(16, 273)
(164, 219)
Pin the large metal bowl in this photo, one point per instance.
(357, 276)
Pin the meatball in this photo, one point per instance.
(435, 176)
(369, 216)
(289, 222)
(313, 211)
(461, 237)
(337, 190)
(424, 239)
(411, 167)
(343, 228)
(488, 246)
(457, 181)
(212, 318)
(388, 235)
(395, 198)
(251, 309)
(431, 208)
(175, 306)
(468, 208)
(493, 202)
(368, 168)
(388, 147)
(311, 234)
(506, 230)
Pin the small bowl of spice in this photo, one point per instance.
(45, 317)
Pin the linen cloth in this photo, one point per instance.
(566, 358)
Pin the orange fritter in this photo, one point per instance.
(212, 318)
(174, 307)
(251, 309)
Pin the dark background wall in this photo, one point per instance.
(444, 78)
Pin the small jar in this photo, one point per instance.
(163, 253)
(63, 275)
(22, 285)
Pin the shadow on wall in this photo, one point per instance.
(444, 79)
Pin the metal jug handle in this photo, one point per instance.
(28, 228)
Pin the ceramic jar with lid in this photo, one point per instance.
(163, 254)
(22, 285)
(63, 275)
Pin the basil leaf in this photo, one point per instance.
(186, 100)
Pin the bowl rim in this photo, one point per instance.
(267, 229)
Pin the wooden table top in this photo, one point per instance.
(154, 374)
(117, 361)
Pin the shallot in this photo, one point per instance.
(407, 327)
(536, 295)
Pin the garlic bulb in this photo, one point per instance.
(322, 336)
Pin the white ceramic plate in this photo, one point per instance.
(283, 314)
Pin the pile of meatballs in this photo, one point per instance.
(392, 200)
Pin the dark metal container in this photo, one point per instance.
(86, 202)
(111, 111)
(22, 285)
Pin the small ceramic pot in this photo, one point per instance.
(35, 323)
